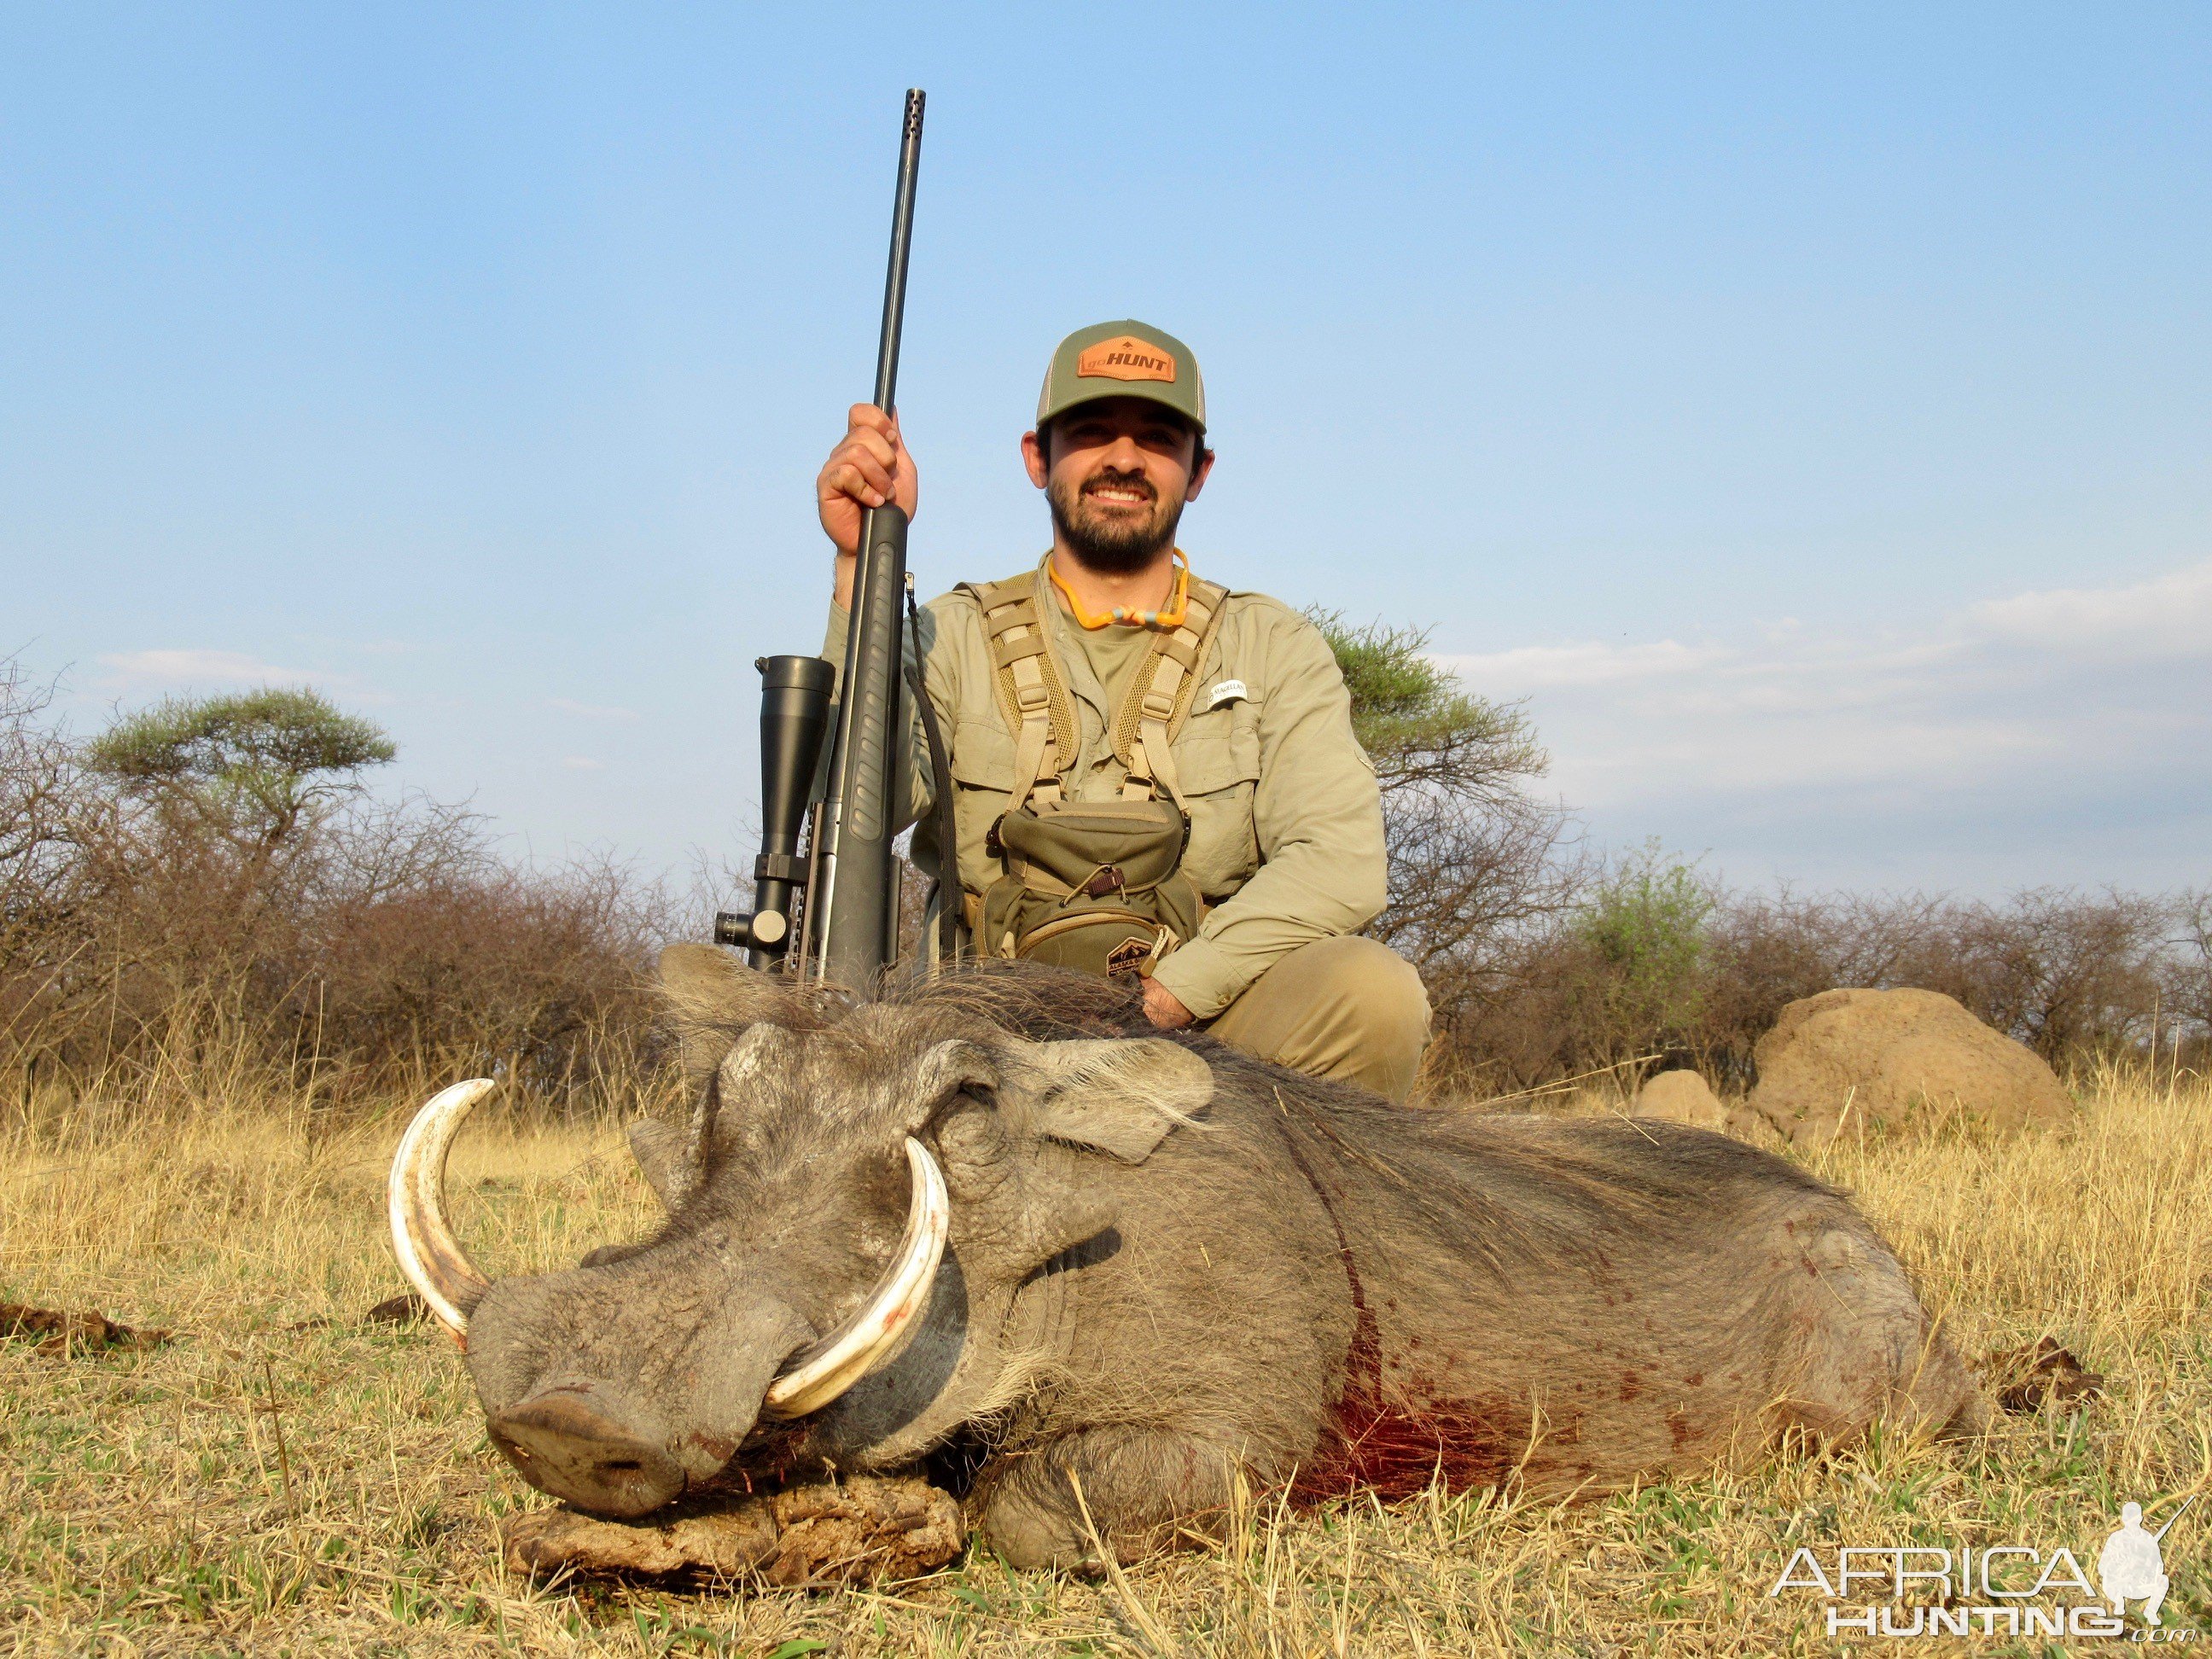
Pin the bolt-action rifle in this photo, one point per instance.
(847, 882)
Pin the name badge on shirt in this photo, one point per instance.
(1225, 691)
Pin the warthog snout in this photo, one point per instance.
(571, 1442)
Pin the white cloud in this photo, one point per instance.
(158, 669)
(199, 668)
(1997, 725)
(1590, 663)
(2170, 615)
(582, 763)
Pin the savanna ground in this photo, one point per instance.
(282, 1478)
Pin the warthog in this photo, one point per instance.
(1125, 1271)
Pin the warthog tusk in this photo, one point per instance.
(818, 1374)
(431, 1257)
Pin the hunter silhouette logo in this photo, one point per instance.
(1125, 357)
(2129, 1567)
(2007, 1589)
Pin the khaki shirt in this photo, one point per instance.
(1286, 822)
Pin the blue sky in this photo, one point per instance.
(1805, 409)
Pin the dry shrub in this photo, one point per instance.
(150, 950)
(2072, 974)
(2078, 976)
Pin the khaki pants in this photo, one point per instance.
(1347, 1008)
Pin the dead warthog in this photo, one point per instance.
(1125, 1270)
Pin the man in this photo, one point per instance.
(1152, 775)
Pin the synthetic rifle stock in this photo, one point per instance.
(851, 910)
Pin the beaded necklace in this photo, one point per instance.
(1172, 616)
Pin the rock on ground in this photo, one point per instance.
(862, 1529)
(1681, 1097)
(1851, 1060)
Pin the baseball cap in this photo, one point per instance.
(1126, 359)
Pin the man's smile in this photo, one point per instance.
(1118, 493)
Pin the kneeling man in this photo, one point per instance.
(1152, 774)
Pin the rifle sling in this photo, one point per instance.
(941, 769)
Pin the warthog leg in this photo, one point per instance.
(1140, 1490)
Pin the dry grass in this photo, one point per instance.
(270, 1483)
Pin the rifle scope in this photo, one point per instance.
(794, 718)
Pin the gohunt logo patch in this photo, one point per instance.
(1125, 357)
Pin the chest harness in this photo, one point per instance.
(1092, 884)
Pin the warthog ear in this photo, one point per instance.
(658, 1149)
(1118, 1094)
(707, 982)
(711, 991)
(674, 1161)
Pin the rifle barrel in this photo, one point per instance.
(853, 920)
(887, 347)
(2159, 1535)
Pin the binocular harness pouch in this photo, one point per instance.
(1092, 884)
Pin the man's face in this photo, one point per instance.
(1117, 473)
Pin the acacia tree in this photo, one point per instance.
(1423, 731)
(258, 767)
(1476, 857)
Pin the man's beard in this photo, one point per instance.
(1113, 543)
